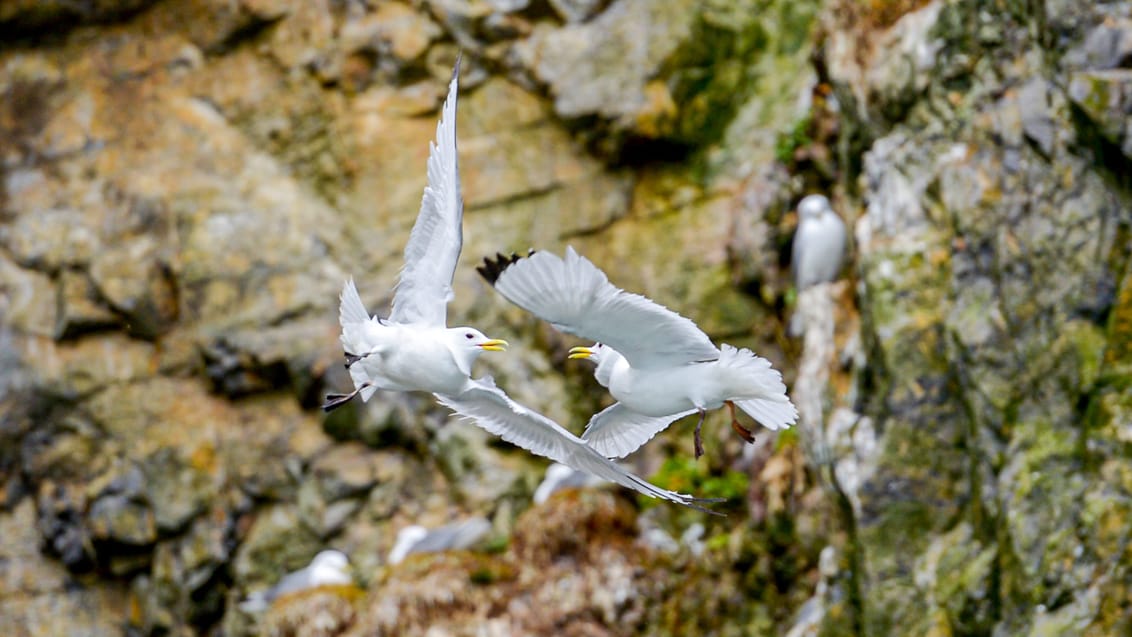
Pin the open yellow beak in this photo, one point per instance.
(581, 352)
(494, 345)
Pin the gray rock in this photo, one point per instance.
(60, 510)
(178, 492)
(1038, 123)
(136, 282)
(51, 239)
(1108, 45)
(1106, 97)
(120, 512)
(597, 67)
(26, 306)
(79, 308)
(336, 486)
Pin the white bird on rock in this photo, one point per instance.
(819, 243)
(413, 350)
(657, 364)
(327, 568)
(450, 537)
(558, 477)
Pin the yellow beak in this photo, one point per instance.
(494, 345)
(581, 352)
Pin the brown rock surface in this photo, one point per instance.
(185, 185)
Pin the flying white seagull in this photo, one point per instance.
(657, 364)
(819, 243)
(327, 568)
(413, 350)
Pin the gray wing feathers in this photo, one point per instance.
(577, 298)
(488, 407)
(425, 286)
(618, 431)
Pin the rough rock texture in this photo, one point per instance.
(185, 185)
(993, 254)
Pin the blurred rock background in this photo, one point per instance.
(185, 185)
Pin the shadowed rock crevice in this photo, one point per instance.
(31, 22)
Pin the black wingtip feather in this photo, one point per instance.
(334, 401)
(493, 267)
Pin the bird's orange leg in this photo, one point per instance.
(743, 432)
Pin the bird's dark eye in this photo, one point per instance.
(469, 336)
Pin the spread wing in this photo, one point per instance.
(490, 408)
(618, 431)
(425, 286)
(576, 297)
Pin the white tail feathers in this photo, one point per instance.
(771, 414)
(758, 390)
(618, 431)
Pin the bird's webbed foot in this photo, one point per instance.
(334, 401)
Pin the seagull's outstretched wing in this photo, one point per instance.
(618, 431)
(488, 407)
(576, 297)
(425, 286)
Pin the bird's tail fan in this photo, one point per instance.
(757, 388)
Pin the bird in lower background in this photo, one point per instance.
(329, 567)
(412, 350)
(558, 477)
(658, 365)
(450, 537)
(819, 243)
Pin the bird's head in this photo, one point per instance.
(473, 340)
(331, 559)
(330, 567)
(595, 353)
(812, 207)
(407, 538)
(604, 356)
(466, 344)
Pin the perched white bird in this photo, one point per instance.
(327, 568)
(558, 477)
(819, 243)
(450, 537)
(412, 350)
(657, 364)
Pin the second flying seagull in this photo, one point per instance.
(657, 364)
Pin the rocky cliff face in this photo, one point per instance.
(185, 185)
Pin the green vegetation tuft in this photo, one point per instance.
(685, 475)
(789, 141)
